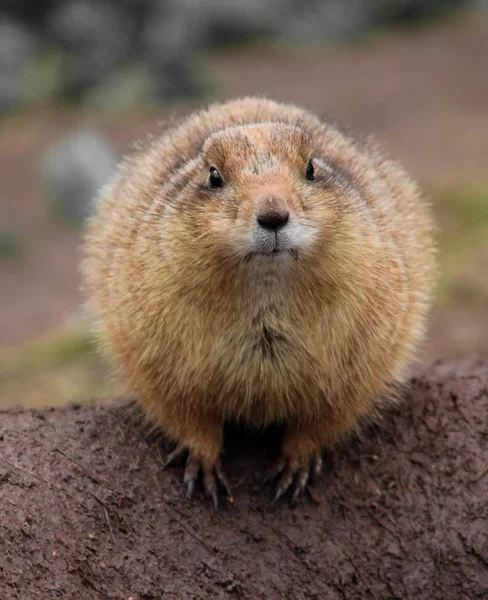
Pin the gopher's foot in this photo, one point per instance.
(211, 470)
(294, 473)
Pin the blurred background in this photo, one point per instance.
(81, 80)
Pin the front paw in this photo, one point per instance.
(212, 474)
(294, 473)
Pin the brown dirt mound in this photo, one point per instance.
(87, 511)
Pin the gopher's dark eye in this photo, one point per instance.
(310, 171)
(215, 178)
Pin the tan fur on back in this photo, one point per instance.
(204, 334)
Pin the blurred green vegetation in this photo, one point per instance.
(55, 369)
(52, 351)
(462, 215)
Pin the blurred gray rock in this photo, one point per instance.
(412, 11)
(74, 171)
(177, 29)
(328, 20)
(231, 21)
(29, 11)
(18, 45)
(176, 33)
(172, 32)
(95, 37)
(124, 53)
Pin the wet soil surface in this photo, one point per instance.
(88, 512)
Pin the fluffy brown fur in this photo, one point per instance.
(207, 329)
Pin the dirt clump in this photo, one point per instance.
(87, 511)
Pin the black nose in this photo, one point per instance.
(273, 219)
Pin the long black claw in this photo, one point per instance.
(194, 466)
(212, 492)
(222, 479)
(190, 487)
(296, 475)
(284, 484)
(286, 479)
(280, 490)
(298, 491)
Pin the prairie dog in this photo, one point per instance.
(256, 264)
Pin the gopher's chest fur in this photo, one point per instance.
(262, 368)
